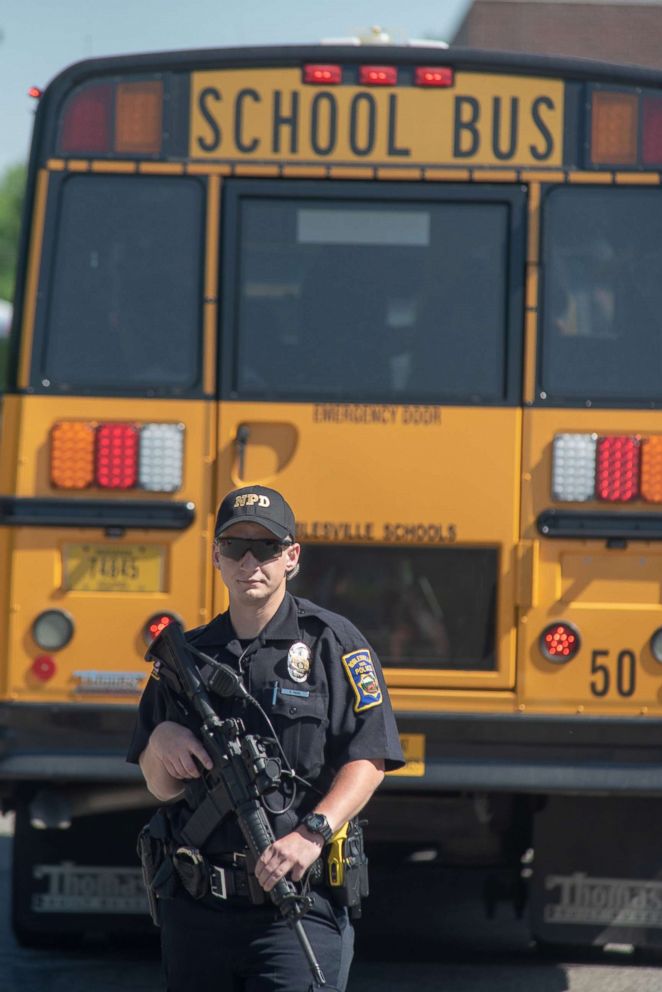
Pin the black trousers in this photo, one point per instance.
(244, 948)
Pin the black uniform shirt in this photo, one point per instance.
(321, 686)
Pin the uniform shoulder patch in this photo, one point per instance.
(363, 679)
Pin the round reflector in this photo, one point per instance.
(43, 667)
(656, 644)
(157, 623)
(559, 642)
(53, 629)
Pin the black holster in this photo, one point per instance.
(157, 867)
(355, 885)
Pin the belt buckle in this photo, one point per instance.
(217, 884)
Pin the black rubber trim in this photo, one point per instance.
(607, 526)
(534, 754)
(130, 514)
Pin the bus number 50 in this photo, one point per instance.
(603, 672)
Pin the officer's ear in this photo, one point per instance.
(216, 555)
(292, 553)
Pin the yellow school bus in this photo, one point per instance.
(418, 291)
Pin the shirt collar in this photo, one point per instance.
(283, 626)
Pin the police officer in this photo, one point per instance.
(323, 690)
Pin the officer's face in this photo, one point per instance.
(249, 580)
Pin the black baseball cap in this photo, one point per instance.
(258, 505)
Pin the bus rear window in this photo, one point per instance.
(124, 287)
(602, 296)
(369, 299)
(418, 607)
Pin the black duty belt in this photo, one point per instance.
(203, 879)
(228, 880)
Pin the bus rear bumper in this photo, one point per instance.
(66, 743)
(533, 754)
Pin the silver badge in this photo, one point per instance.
(298, 661)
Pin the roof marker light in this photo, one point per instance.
(433, 76)
(322, 75)
(378, 75)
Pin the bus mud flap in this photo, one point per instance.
(597, 875)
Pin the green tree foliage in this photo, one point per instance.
(12, 187)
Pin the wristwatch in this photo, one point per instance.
(317, 823)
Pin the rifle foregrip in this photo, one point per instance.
(256, 829)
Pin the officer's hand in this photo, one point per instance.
(175, 746)
(291, 855)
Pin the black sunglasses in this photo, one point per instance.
(262, 548)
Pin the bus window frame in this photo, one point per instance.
(513, 195)
(46, 265)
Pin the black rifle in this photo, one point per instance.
(242, 770)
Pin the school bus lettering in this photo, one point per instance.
(471, 130)
(286, 119)
(323, 124)
(544, 152)
(466, 137)
(324, 530)
(484, 120)
(244, 144)
(420, 533)
(393, 149)
(211, 143)
(423, 415)
(352, 413)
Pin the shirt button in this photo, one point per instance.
(293, 710)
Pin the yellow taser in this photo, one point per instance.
(335, 861)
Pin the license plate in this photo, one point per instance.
(101, 568)
(413, 748)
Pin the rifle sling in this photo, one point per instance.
(207, 817)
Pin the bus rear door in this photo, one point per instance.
(370, 369)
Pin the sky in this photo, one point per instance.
(38, 38)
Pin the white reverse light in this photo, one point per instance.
(573, 467)
(161, 457)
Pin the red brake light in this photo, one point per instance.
(322, 75)
(117, 456)
(559, 642)
(378, 75)
(35, 92)
(87, 122)
(43, 667)
(617, 469)
(433, 76)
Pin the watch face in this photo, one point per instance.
(318, 824)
